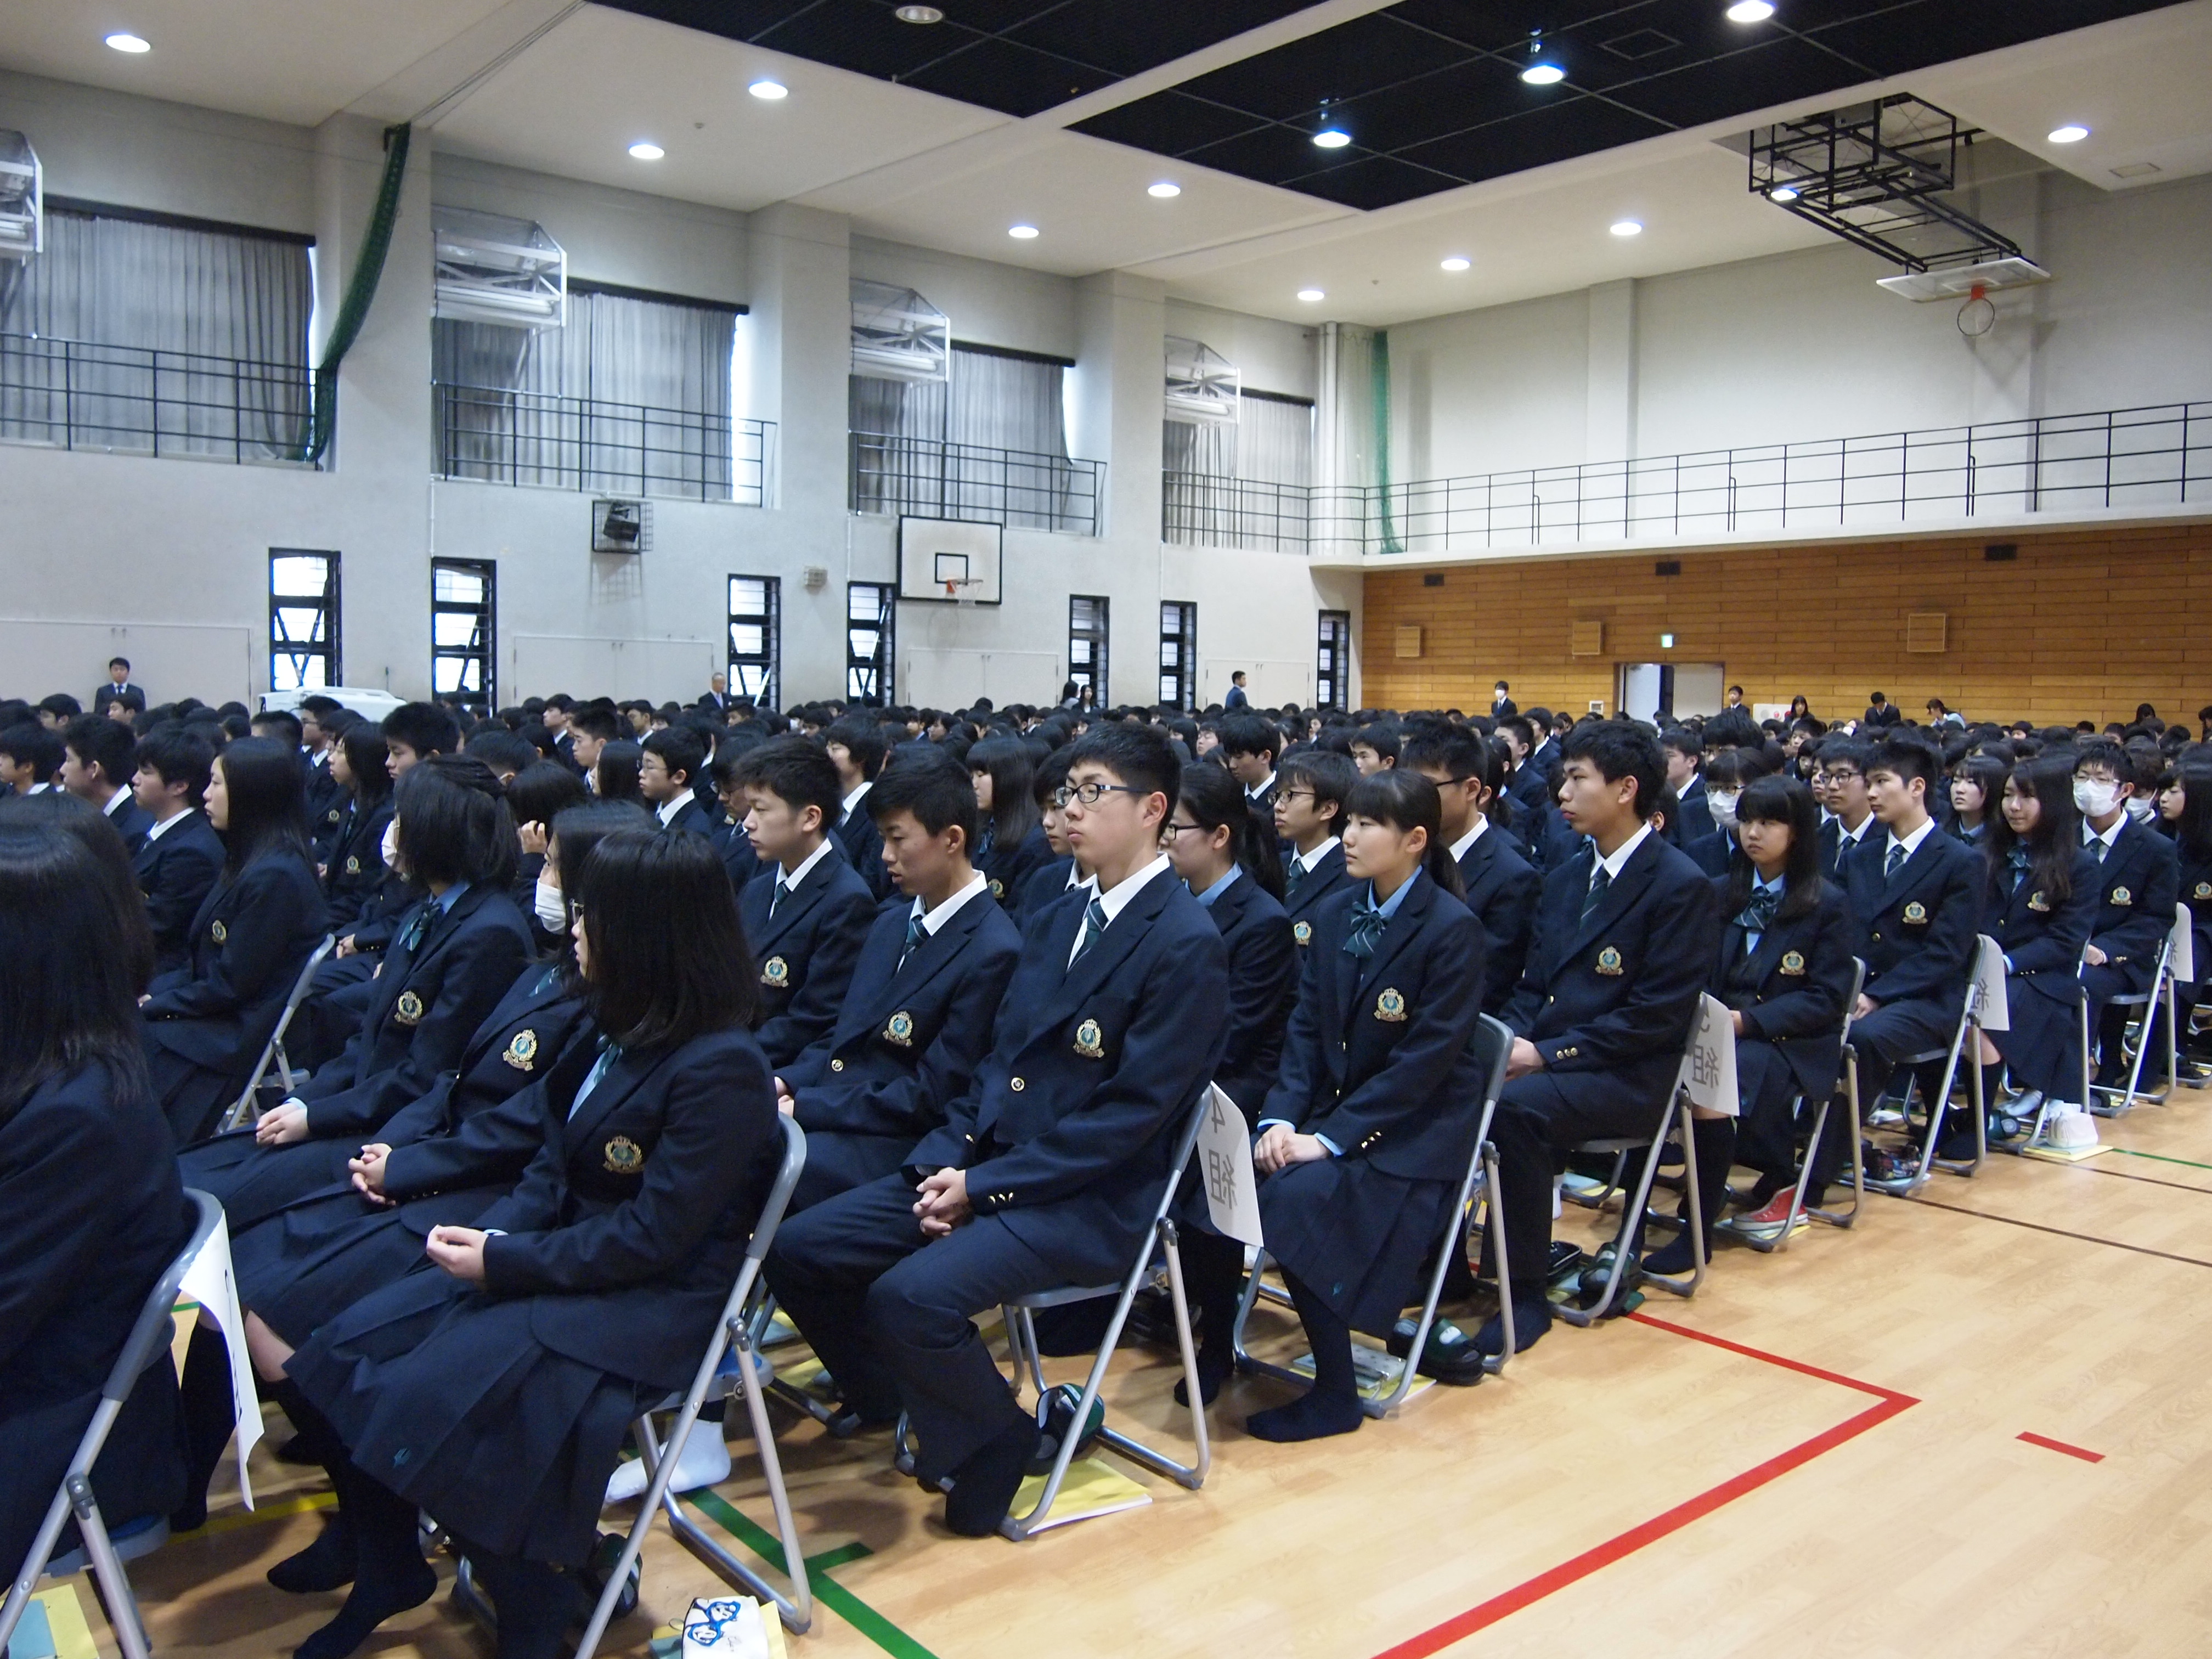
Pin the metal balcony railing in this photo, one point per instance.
(490, 435)
(132, 400)
(932, 479)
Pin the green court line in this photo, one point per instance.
(2160, 1157)
(827, 1590)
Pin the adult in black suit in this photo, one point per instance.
(1502, 705)
(205, 1022)
(2138, 883)
(1880, 713)
(118, 685)
(96, 768)
(2039, 900)
(915, 1021)
(805, 914)
(1625, 941)
(1312, 786)
(855, 747)
(1692, 819)
(1048, 1172)
(668, 770)
(181, 857)
(1497, 884)
(91, 1211)
(1785, 970)
(1237, 697)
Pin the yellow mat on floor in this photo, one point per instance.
(1091, 1489)
(53, 1627)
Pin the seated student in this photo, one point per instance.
(180, 856)
(321, 721)
(2040, 895)
(669, 762)
(806, 914)
(1364, 1137)
(1310, 790)
(1375, 748)
(205, 1022)
(91, 1210)
(855, 747)
(615, 774)
(2138, 882)
(1048, 881)
(1250, 747)
(495, 1393)
(1625, 939)
(96, 768)
(1686, 763)
(590, 728)
(1048, 1172)
(30, 755)
(2184, 806)
(1726, 774)
(1499, 885)
(739, 861)
(1916, 894)
(1978, 784)
(357, 884)
(1840, 785)
(915, 1021)
(1013, 844)
(1784, 969)
(540, 793)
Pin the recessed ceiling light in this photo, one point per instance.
(1331, 138)
(1164, 190)
(1455, 264)
(1022, 232)
(2069, 134)
(1750, 11)
(1543, 75)
(647, 151)
(768, 90)
(1310, 295)
(919, 14)
(1782, 193)
(1627, 227)
(129, 43)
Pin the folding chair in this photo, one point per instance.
(1938, 1105)
(241, 1111)
(1849, 1074)
(149, 1339)
(1491, 1042)
(2162, 987)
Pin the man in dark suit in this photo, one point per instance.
(2138, 884)
(1500, 886)
(856, 748)
(1686, 757)
(1237, 698)
(667, 773)
(1501, 703)
(1880, 713)
(716, 696)
(1049, 1169)
(179, 857)
(1309, 796)
(97, 762)
(1625, 938)
(118, 685)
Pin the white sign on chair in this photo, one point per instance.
(2182, 963)
(1225, 1153)
(1709, 1065)
(1991, 1010)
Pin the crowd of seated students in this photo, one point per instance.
(989, 960)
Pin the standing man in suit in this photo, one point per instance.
(1735, 697)
(180, 856)
(856, 748)
(667, 773)
(1501, 887)
(1686, 759)
(1236, 698)
(1249, 744)
(1625, 938)
(118, 685)
(1049, 1169)
(1310, 791)
(1501, 704)
(2138, 884)
(97, 762)
(716, 695)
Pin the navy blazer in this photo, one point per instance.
(2042, 939)
(1711, 853)
(2138, 884)
(1791, 990)
(1832, 853)
(629, 1225)
(1043, 886)
(1007, 867)
(131, 821)
(806, 952)
(1376, 1061)
(1917, 932)
(176, 872)
(2195, 889)
(910, 1034)
(1069, 1130)
(1617, 993)
(738, 855)
(429, 999)
(1501, 890)
(249, 941)
(863, 845)
(692, 818)
(355, 882)
(1694, 817)
(1262, 989)
(1326, 879)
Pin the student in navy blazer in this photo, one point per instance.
(1048, 881)
(2040, 896)
(496, 1391)
(181, 857)
(856, 748)
(806, 914)
(1625, 942)
(668, 768)
(1693, 816)
(2185, 805)
(1048, 1171)
(96, 768)
(1367, 1133)
(916, 1019)
(2138, 884)
(1310, 789)
(359, 886)
(1012, 843)
(1497, 883)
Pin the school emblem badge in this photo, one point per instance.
(900, 1030)
(775, 973)
(1793, 961)
(353, 864)
(997, 888)
(2121, 895)
(2037, 902)
(1303, 932)
(1390, 1006)
(1608, 960)
(2205, 890)
(332, 816)
(623, 1155)
(217, 931)
(522, 1053)
(1090, 1040)
(1916, 912)
(409, 1010)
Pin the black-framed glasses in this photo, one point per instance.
(1179, 829)
(1297, 794)
(1089, 794)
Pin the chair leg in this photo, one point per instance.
(107, 1569)
(1630, 1214)
(1498, 1362)
(1246, 1359)
(1686, 1135)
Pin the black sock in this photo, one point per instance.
(1331, 1405)
(535, 1602)
(1212, 1266)
(210, 1415)
(328, 1563)
(390, 1575)
(1715, 1139)
(984, 1484)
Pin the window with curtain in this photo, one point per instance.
(632, 396)
(1241, 484)
(134, 332)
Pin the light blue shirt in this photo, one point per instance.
(1759, 885)
(609, 1054)
(451, 896)
(1219, 887)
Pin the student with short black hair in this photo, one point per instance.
(590, 729)
(668, 767)
(97, 756)
(1311, 788)
(2138, 883)
(1840, 785)
(415, 730)
(58, 711)
(1250, 744)
(30, 755)
(502, 750)
(1499, 885)
(181, 857)
(278, 725)
(806, 914)
(1375, 748)
(1686, 763)
(856, 748)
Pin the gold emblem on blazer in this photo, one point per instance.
(522, 1053)
(1390, 1006)
(1303, 932)
(775, 972)
(1608, 960)
(217, 931)
(1793, 961)
(2037, 902)
(622, 1155)
(353, 864)
(410, 1009)
(332, 816)
(1917, 912)
(2205, 890)
(997, 888)
(900, 1030)
(1090, 1040)
(2121, 895)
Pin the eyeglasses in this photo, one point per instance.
(1178, 829)
(1296, 795)
(1089, 794)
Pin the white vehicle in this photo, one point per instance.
(369, 705)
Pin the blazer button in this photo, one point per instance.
(1016, 1084)
(837, 1065)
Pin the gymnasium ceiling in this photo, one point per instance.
(1061, 113)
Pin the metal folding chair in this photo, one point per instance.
(1491, 1042)
(241, 1111)
(149, 1339)
(1938, 1104)
(2162, 987)
(1848, 1074)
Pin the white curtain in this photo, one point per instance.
(989, 444)
(157, 340)
(1240, 485)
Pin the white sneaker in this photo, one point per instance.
(704, 1461)
(2070, 1128)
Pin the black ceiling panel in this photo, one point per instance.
(1372, 181)
(1557, 133)
(1000, 75)
(1782, 69)
(1367, 55)
(1171, 124)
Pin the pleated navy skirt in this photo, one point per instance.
(1353, 1234)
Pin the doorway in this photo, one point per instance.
(1645, 690)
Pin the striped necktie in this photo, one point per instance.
(1595, 896)
(916, 930)
(1366, 929)
(1894, 862)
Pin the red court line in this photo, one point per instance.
(2049, 1444)
(1888, 1404)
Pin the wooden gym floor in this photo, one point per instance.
(1978, 1424)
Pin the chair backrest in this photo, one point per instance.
(778, 1192)
(151, 1332)
(1852, 1002)
(302, 985)
(1490, 1043)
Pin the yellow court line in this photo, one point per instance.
(232, 1520)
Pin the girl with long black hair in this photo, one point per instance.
(1012, 844)
(1977, 789)
(2185, 807)
(356, 884)
(2040, 897)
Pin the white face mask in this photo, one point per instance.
(2095, 797)
(2139, 808)
(552, 909)
(390, 848)
(1723, 801)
